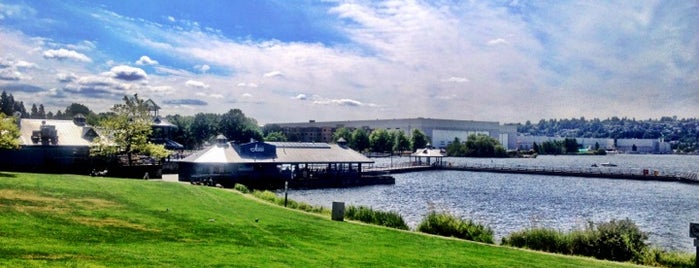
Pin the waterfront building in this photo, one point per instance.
(441, 132)
(270, 164)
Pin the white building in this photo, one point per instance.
(440, 132)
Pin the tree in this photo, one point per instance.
(481, 145)
(360, 140)
(204, 127)
(34, 112)
(342, 133)
(455, 148)
(42, 111)
(9, 132)
(77, 108)
(571, 145)
(275, 136)
(7, 103)
(237, 127)
(380, 141)
(128, 131)
(418, 140)
(400, 141)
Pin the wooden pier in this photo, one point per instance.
(590, 172)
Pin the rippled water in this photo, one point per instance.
(512, 202)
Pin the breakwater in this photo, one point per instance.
(588, 172)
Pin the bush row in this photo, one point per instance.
(444, 224)
(616, 240)
(368, 215)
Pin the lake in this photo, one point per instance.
(512, 202)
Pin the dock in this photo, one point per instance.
(589, 172)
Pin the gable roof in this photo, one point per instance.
(69, 134)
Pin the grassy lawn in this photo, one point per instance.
(70, 220)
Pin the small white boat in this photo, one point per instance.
(607, 164)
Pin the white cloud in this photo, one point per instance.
(454, 79)
(66, 77)
(145, 60)
(246, 95)
(63, 54)
(273, 74)
(196, 84)
(340, 102)
(497, 41)
(250, 85)
(202, 68)
(171, 18)
(301, 97)
(10, 74)
(128, 73)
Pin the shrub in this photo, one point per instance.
(544, 239)
(241, 188)
(445, 224)
(614, 240)
(364, 214)
(659, 257)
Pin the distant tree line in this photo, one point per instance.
(683, 134)
(195, 131)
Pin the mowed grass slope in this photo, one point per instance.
(69, 220)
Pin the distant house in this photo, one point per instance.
(269, 164)
(63, 146)
(51, 146)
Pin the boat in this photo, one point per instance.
(607, 164)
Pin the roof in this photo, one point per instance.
(69, 134)
(428, 153)
(277, 152)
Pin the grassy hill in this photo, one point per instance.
(69, 220)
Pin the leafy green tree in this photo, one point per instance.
(455, 148)
(7, 103)
(342, 133)
(275, 136)
(418, 140)
(571, 145)
(9, 132)
(380, 141)
(400, 141)
(182, 134)
(204, 127)
(34, 112)
(76, 108)
(128, 131)
(481, 145)
(237, 127)
(360, 140)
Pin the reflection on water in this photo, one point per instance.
(511, 202)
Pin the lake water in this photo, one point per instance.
(512, 202)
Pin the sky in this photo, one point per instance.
(292, 61)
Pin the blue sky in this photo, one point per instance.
(289, 61)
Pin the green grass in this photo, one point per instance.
(69, 220)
